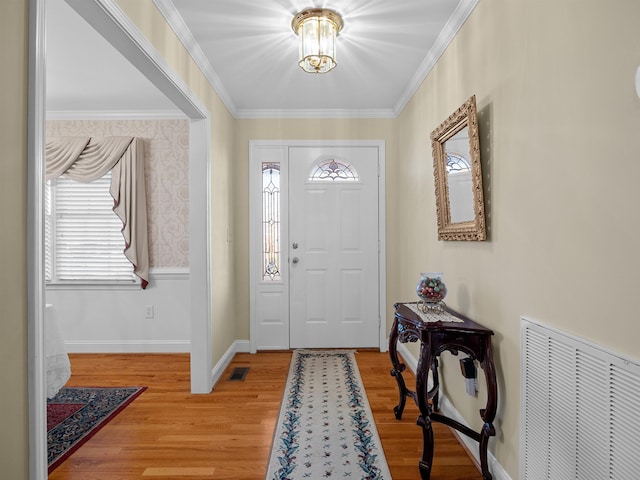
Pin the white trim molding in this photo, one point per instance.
(128, 346)
(169, 273)
(35, 243)
(116, 115)
(314, 113)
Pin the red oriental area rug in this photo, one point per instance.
(75, 414)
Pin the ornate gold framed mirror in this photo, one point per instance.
(458, 176)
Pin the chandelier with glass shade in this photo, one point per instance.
(317, 29)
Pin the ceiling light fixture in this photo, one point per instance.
(317, 29)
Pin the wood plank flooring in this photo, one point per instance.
(167, 433)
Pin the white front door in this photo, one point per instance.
(333, 247)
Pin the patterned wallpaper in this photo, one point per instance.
(166, 158)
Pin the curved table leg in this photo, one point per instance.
(396, 371)
(434, 394)
(487, 431)
(489, 412)
(424, 420)
(426, 461)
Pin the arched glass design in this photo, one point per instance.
(457, 163)
(333, 171)
(271, 221)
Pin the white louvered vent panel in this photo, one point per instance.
(580, 408)
(536, 405)
(625, 427)
(562, 411)
(592, 380)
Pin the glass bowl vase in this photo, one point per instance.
(431, 290)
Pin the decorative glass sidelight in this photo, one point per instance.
(271, 221)
(332, 170)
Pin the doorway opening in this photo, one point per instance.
(318, 273)
(110, 22)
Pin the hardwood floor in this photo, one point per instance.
(167, 433)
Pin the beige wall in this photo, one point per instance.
(336, 129)
(145, 15)
(13, 239)
(559, 124)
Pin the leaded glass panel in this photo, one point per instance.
(271, 221)
(333, 170)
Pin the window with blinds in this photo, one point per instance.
(83, 239)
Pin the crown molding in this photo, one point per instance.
(173, 18)
(115, 115)
(314, 113)
(448, 33)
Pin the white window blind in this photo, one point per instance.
(83, 239)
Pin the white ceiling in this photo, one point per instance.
(248, 52)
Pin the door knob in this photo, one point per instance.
(294, 260)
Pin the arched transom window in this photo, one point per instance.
(332, 170)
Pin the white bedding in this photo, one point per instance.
(58, 367)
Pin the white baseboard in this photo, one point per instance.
(450, 411)
(243, 346)
(495, 468)
(239, 346)
(157, 346)
(128, 346)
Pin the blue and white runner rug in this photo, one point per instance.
(325, 428)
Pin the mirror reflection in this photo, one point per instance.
(458, 158)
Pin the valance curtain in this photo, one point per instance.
(86, 159)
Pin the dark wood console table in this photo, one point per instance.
(456, 334)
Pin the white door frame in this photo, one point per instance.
(254, 221)
(109, 20)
